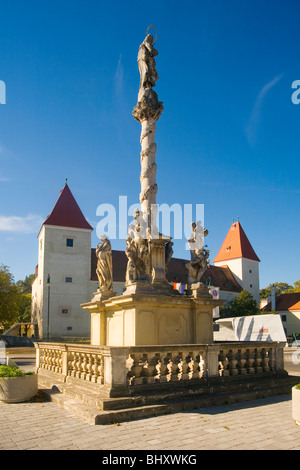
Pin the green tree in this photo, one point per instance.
(15, 299)
(10, 297)
(280, 288)
(25, 286)
(242, 305)
(24, 315)
(296, 288)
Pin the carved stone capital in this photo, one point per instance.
(149, 107)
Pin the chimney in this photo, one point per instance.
(273, 298)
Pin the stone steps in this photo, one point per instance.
(88, 405)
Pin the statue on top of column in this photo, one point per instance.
(147, 65)
(148, 106)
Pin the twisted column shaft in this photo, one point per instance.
(148, 169)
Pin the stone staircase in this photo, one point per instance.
(86, 402)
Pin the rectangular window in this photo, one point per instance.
(68, 279)
(283, 317)
(69, 242)
(69, 328)
(64, 311)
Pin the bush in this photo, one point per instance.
(6, 371)
(297, 387)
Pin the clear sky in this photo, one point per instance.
(228, 137)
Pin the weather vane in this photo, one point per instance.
(151, 26)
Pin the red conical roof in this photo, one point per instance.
(236, 245)
(66, 212)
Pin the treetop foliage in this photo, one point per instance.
(243, 305)
(280, 288)
(15, 299)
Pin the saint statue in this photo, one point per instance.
(147, 65)
(137, 250)
(148, 106)
(104, 265)
(199, 254)
(137, 253)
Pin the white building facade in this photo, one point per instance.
(237, 253)
(64, 259)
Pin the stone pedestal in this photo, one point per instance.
(145, 317)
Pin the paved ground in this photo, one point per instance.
(264, 424)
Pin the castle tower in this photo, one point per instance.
(237, 253)
(64, 259)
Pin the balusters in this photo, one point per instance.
(233, 362)
(83, 366)
(158, 367)
(89, 370)
(168, 365)
(149, 369)
(94, 368)
(184, 366)
(250, 361)
(271, 359)
(223, 364)
(163, 375)
(202, 365)
(180, 365)
(51, 360)
(100, 378)
(190, 364)
(136, 370)
(242, 362)
(173, 367)
(258, 360)
(265, 360)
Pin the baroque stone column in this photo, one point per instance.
(147, 111)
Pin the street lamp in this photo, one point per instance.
(48, 284)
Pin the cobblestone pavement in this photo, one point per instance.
(263, 424)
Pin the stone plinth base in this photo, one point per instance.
(144, 316)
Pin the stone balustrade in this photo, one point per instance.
(124, 369)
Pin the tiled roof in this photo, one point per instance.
(66, 212)
(236, 245)
(285, 302)
(177, 272)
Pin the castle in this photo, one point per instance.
(66, 271)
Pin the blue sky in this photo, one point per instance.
(228, 137)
